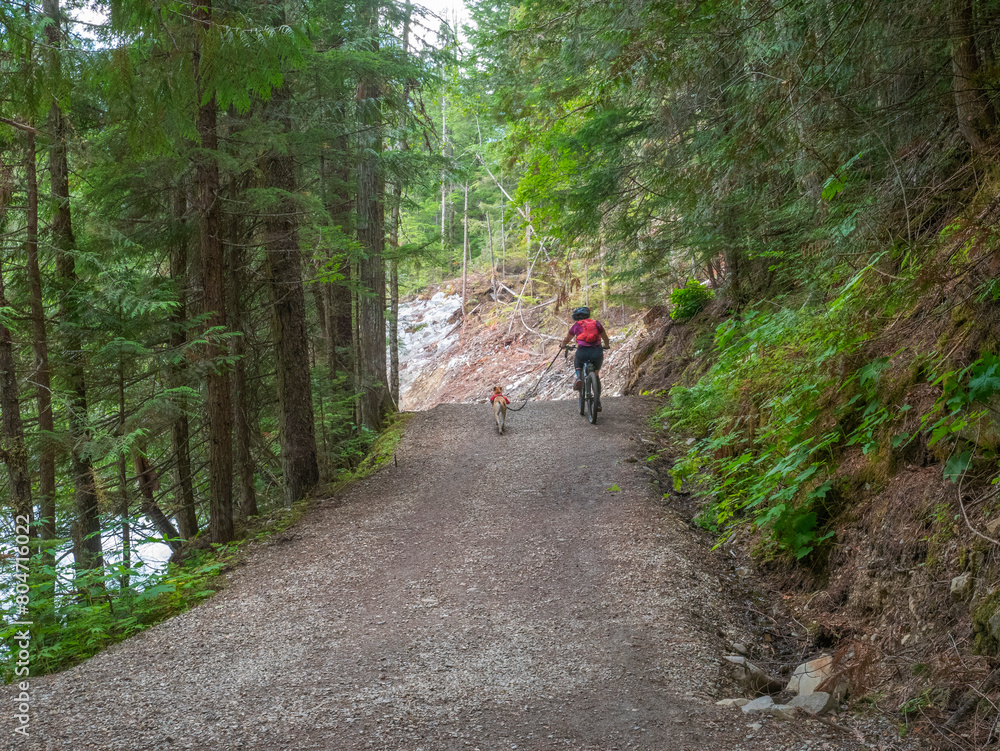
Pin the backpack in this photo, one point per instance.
(589, 333)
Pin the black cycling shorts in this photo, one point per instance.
(593, 355)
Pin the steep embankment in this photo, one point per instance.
(845, 450)
(445, 360)
(480, 592)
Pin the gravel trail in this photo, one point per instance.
(517, 592)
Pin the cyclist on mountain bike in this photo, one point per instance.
(589, 334)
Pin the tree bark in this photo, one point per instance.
(219, 407)
(503, 233)
(180, 433)
(971, 105)
(337, 295)
(245, 467)
(296, 427)
(12, 446)
(397, 200)
(372, 385)
(444, 153)
(397, 194)
(123, 501)
(41, 378)
(87, 548)
(319, 302)
(465, 246)
(493, 268)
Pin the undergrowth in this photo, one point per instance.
(792, 389)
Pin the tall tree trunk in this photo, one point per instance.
(397, 200)
(296, 427)
(12, 447)
(465, 246)
(397, 194)
(444, 152)
(180, 433)
(245, 467)
(503, 233)
(974, 113)
(123, 503)
(87, 549)
(337, 295)
(373, 386)
(356, 339)
(219, 407)
(493, 268)
(41, 378)
(319, 302)
(338, 311)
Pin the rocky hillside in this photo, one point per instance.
(444, 359)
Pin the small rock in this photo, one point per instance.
(961, 586)
(739, 701)
(817, 702)
(758, 706)
(740, 648)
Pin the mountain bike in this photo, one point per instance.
(590, 391)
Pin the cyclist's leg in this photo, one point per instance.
(597, 357)
(578, 360)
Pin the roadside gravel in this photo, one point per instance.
(517, 592)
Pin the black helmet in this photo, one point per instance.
(581, 313)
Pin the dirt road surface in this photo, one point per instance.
(518, 592)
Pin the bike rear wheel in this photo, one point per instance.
(591, 387)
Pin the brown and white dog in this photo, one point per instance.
(499, 402)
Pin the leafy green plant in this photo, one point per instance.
(689, 300)
(962, 411)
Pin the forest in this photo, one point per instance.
(209, 211)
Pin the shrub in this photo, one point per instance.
(688, 300)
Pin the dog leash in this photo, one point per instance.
(534, 389)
